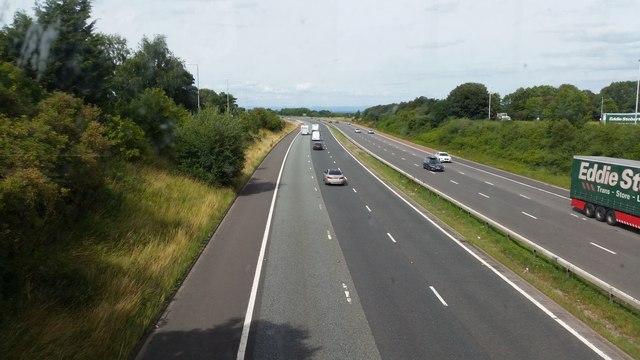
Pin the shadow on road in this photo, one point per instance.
(267, 341)
(257, 186)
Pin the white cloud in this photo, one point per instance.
(303, 87)
(382, 52)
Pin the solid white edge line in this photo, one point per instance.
(603, 248)
(483, 262)
(244, 338)
(438, 296)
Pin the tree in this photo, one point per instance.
(18, 92)
(158, 116)
(57, 165)
(623, 93)
(210, 146)
(470, 100)
(61, 49)
(211, 99)
(528, 103)
(127, 139)
(570, 103)
(155, 66)
(208, 98)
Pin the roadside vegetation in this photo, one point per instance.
(538, 149)
(550, 125)
(112, 177)
(111, 181)
(617, 322)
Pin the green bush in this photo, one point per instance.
(159, 117)
(127, 139)
(51, 168)
(210, 146)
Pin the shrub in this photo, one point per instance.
(127, 139)
(210, 147)
(50, 169)
(159, 117)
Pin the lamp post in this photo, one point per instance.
(197, 83)
(489, 106)
(637, 91)
(228, 110)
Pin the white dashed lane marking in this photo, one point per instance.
(603, 248)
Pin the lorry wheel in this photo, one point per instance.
(601, 213)
(589, 210)
(611, 217)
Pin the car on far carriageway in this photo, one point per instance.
(317, 145)
(358, 130)
(432, 163)
(334, 177)
(369, 131)
(443, 156)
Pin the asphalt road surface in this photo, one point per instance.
(352, 272)
(540, 212)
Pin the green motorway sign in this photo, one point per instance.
(620, 118)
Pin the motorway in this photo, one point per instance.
(352, 272)
(540, 212)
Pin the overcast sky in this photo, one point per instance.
(291, 53)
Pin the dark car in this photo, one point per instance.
(318, 145)
(432, 163)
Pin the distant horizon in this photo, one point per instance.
(333, 109)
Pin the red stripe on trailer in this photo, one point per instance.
(627, 219)
(578, 204)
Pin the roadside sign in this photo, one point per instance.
(620, 118)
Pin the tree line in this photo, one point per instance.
(471, 101)
(76, 103)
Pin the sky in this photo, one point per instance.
(361, 53)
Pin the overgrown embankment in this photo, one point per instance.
(120, 263)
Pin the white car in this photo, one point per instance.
(358, 131)
(443, 156)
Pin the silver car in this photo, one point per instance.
(334, 177)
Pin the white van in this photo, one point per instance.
(304, 129)
(315, 136)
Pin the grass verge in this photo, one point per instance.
(123, 263)
(614, 321)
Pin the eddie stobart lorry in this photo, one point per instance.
(607, 189)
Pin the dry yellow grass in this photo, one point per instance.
(136, 253)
